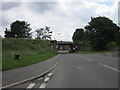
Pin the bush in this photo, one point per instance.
(111, 45)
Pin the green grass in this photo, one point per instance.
(31, 51)
(11, 63)
(89, 52)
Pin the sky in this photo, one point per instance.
(62, 16)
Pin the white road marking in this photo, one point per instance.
(90, 59)
(47, 79)
(58, 60)
(40, 78)
(109, 67)
(31, 86)
(50, 74)
(43, 85)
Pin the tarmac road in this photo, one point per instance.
(85, 71)
(80, 71)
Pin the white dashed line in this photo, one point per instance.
(50, 74)
(43, 85)
(90, 59)
(31, 86)
(109, 67)
(47, 79)
(40, 78)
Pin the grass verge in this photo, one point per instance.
(11, 63)
(30, 50)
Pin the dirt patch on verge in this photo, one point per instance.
(112, 53)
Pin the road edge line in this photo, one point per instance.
(32, 78)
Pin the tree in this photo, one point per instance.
(44, 33)
(39, 33)
(78, 36)
(19, 29)
(100, 31)
(0, 36)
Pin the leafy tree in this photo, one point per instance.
(44, 33)
(19, 29)
(118, 37)
(78, 36)
(100, 31)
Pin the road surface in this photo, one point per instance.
(80, 71)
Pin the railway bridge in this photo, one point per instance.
(63, 46)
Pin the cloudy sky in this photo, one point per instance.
(62, 16)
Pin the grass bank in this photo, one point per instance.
(31, 51)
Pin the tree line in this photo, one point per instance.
(99, 33)
(21, 29)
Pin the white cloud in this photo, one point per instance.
(63, 17)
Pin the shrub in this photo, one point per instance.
(111, 45)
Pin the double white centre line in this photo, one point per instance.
(31, 86)
(43, 85)
(47, 79)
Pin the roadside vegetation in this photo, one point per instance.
(18, 41)
(99, 36)
(30, 50)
